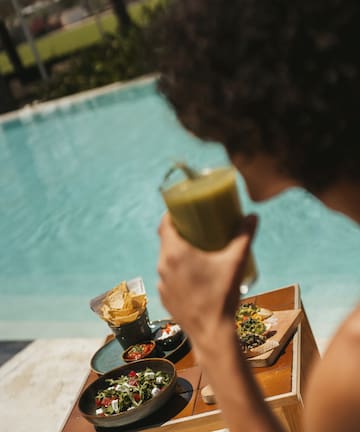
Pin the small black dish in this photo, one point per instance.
(151, 351)
(171, 341)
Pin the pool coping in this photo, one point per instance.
(38, 107)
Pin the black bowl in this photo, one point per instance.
(151, 353)
(87, 405)
(169, 342)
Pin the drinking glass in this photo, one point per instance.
(205, 209)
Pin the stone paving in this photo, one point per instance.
(39, 384)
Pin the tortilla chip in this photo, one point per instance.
(139, 302)
(120, 306)
(125, 319)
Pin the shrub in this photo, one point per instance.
(115, 58)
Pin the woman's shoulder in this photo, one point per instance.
(348, 333)
(346, 342)
(333, 387)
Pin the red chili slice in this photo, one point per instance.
(106, 401)
(133, 381)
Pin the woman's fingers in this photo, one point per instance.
(173, 246)
(167, 230)
(235, 257)
(195, 285)
(239, 246)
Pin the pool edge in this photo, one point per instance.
(38, 107)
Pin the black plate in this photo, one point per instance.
(109, 357)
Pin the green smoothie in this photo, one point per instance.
(206, 210)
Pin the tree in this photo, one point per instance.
(6, 9)
(7, 102)
(10, 49)
(123, 17)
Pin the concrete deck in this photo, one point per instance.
(40, 383)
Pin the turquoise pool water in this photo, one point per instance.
(80, 207)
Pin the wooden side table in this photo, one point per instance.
(282, 383)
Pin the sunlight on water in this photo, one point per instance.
(80, 207)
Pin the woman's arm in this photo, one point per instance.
(241, 400)
(201, 291)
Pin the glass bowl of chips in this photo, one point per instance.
(124, 309)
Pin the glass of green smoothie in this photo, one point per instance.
(205, 209)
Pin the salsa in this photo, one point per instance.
(139, 351)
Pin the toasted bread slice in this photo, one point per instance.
(264, 313)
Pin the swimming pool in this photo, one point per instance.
(80, 207)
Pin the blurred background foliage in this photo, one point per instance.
(82, 45)
(117, 57)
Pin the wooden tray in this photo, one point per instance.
(284, 326)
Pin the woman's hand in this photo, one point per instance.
(201, 289)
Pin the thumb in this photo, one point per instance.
(238, 249)
(237, 253)
(249, 224)
(241, 243)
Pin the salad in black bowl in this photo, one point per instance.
(128, 393)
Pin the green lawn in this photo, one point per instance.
(63, 42)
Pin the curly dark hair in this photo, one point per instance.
(273, 76)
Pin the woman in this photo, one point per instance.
(278, 84)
